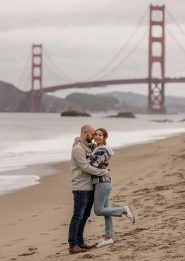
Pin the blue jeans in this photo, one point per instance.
(101, 206)
(83, 201)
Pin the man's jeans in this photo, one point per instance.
(83, 201)
(101, 206)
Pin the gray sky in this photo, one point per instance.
(80, 37)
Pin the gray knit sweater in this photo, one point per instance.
(82, 170)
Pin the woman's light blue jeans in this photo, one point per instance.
(101, 206)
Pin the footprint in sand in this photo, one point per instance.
(55, 255)
(52, 229)
(31, 251)
(58, 208)
(182, 156)
(131, 183)
(19, 239)
(64, 243)
(28, 254)
(161, 188)
(143, 191)
(123, 189)
(91, 256)
(44, 234)
(54, 240)
(64, 225)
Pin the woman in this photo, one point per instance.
(99, 157)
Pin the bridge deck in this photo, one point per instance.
(111, 82)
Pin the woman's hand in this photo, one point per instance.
(77, 140)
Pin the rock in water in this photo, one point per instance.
(124, 115)
(75, 112)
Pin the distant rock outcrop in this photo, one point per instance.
(162, 121)
(75, 112)
(124, 115)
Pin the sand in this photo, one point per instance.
(150, 177)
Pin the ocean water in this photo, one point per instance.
(28, 139)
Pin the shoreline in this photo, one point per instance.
(150, 177)
(48, 168)
(52, 149)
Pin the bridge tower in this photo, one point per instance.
(36, 79)
(156, 102)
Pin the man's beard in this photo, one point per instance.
(88, 140)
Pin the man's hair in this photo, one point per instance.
(86, 127)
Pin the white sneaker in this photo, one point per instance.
(129, 214)
(105, 242)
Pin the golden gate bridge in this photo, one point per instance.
(156, 85)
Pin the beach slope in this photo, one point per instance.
(149, 177)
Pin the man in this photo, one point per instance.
(83, 193)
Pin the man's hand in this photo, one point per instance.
(108, 174)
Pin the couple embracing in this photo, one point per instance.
(91, 183)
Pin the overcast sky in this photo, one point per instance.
(80, 37)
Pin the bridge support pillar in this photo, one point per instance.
(36, 99)
(156, 98)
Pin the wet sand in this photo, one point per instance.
(150, 177)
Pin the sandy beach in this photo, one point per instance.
(149, 177)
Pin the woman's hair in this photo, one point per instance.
(104, 132)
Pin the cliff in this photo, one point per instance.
(14, 100)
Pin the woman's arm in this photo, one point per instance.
(79, 156)
(78, 140)
(99, 159)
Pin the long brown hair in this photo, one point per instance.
(104, 132)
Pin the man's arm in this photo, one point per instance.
(80, 157)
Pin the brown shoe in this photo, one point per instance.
(85, 246)
(76, 249)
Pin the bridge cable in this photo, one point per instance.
(28, 58)
(122, 48)
(27, 82)
(175, 21)
(128, 55)
(55, 73)
(57, 68)
(177, 42)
